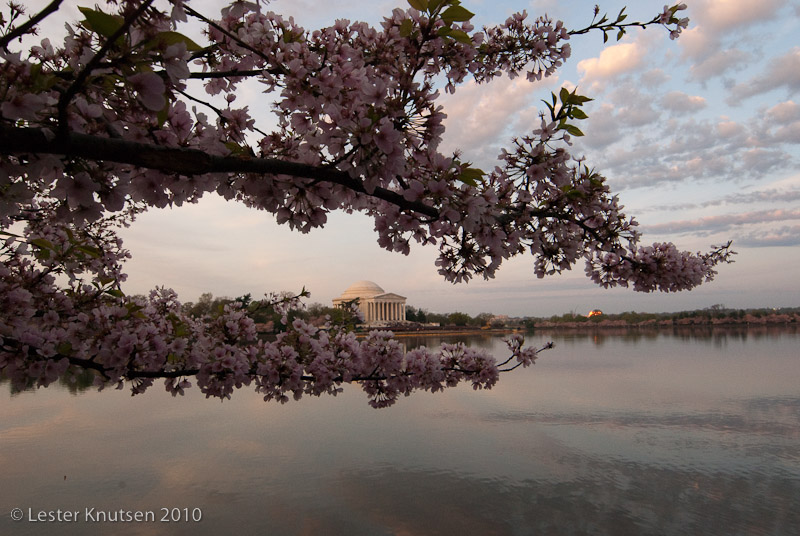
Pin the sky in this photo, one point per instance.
(699, 137)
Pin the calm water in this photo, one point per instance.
(657, 432)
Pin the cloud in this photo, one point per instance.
(722, 31)
(723, 222)
(782, 72)
(479, 116)
(785, 236)
(602, 129)
(784, 112)
(612, 62)
(696, 42)
(770, 195)
(721, 15)
(736, 150)
(681, 103)
(718, 63)
(730, 130)
(654, 78)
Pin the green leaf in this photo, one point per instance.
(576, 99)
(620, 33)
(89, 250)
(43, 254)
(105, 280)
(166, 39)
(460, 36)
(134, 310)
(42, 243)
(419, 5)
(406, 27)
(101, 23)
(235, 148)
(471, 176)
(117, 293)
(564, 95)
(64, 348)
(572, 129)
(433, 4)
(456, 14)
(577, 113)
(162, 115)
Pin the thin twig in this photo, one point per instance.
(52, 7)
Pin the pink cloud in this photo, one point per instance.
(479, 115)
(612, 62)
(726, 14)
(682, 103)
(784, 112)
(783, 71)
(724, 221)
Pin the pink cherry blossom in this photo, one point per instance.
(150, 89)
(94, 131)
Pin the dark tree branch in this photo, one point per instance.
(233, 74)
(184, 161)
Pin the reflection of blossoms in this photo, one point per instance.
(99, 129)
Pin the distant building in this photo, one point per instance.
(594, 312)
(377, 305)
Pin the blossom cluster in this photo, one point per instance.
(125, 115)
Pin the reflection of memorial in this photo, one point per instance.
(378, 306)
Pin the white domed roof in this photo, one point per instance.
(362, 289)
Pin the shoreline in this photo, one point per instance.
(747, 320)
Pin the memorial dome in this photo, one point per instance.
(361, 289)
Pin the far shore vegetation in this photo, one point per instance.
(422, 319)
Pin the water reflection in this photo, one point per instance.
(718, 335)
(656, 432)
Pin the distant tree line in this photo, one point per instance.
(714, 312)
(457, 318)
(264, 314)
(209, 305)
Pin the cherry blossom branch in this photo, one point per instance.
(358, 130)
(183, 160)
(79, 81)
(19, 31)
(666, 18)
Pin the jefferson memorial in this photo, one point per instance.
(377, 305)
